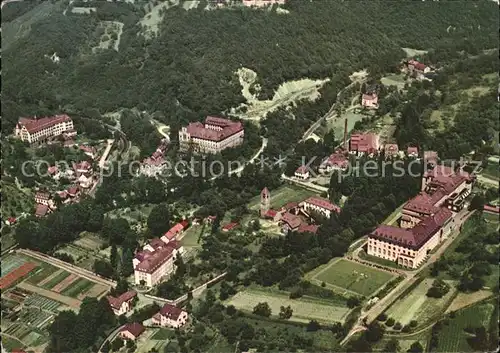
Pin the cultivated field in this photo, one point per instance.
(465, 299)
(417, 306)
(453, 338)
(283, 195)
(304, 309)
(347, 276)
(397, 80)
(337, 124)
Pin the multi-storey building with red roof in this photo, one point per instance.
(363, 144)
(212, 136)
(320, 205)
(36, 129)
(170, 316)
(155, 261)
(123, 303)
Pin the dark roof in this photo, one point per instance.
(134, 328)
(116, 302)
(171, 312)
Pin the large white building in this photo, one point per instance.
(155, 261)
(262, 3)
(213, 136)
(320, 205)
(40, 129)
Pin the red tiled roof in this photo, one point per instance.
(201, 131)
(363, 142)
(116, 302)
(41, 210)
(425, 203)
(230, 226)
(14, 275)
(62, 194)
(265, 192)
(154, 260)
(302, 170)
(11, 220)
(34, 125)
(175, 230)
(292, 220)
(370, 97)
(271, 213)
(134, 328)
(171, 312)
(82, 165)
(53, 169)
(391, 147)
(73, 190)
(413, 238)
(308, 228)
(323, 203)
(336, 159)
(490, 208)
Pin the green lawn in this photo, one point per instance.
(417, 306)
(351, 276)
(192, 235)
(453, 338)
(304, 309)
(282, 196)
(163, 334)
(44, 271)
(492, 171)
(59, 278)
(77, 287)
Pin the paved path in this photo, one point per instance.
(386, 301)
(69, 267)
(106, 153)
(305, 184)
(111, 336)
(74, 303)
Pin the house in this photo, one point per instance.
(336, 161)
(391, 150)
(170, 316)
(35, 129)
(370, 101)
(362, 144)
(302, 173)
(73, 191)
(431, 157)
(491, 209)
(53, 170)
(85, 182)
(212, 136)
(441, 187)
(210, 219)
(412, 152)
(42, 197)
(262, 3)
(41, 210)
(320, 205)
(131, 331)
(416, 66)
(10, 221)
(123, 303)
(88, 151)
(290, 222)
(83, 167)
(155, 261)
(176, 230)
(230, 226)
(410, 247)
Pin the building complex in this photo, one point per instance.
(36, 130)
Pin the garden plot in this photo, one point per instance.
(347, 276)
(81, 285)
(287, 93)
(304, 309)
(34, 317)
(75, 252)
(52, 281)
(95, 291)
(42, 302)
(453, 338)
(417, 306)
(67, 281)
(11, 262)
(89, 241)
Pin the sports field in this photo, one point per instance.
(417, 306)
(304, 309)
(453, 338)
(340, 274)
(283, 195)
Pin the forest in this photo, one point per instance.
(187, 71)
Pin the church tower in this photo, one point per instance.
(265, 201)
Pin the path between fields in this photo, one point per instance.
(74, 303)
(68, 267)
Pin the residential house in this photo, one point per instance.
(336, 161)
(230, 226)
(83, 167)
(88, 151)
(370, 101)
(212, 136)
(131, 331)
(363, 144)
(175, 231)
(123, 303)
(41, 210)
(35, 129)
(302, 172)
(412, 151)
(42, 197)
(170, 316)
(391, 150)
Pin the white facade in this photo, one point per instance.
(208, 146)
(49, 131)
(168, 322)
(262, 3)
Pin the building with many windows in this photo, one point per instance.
(212, 136)
(35, 129)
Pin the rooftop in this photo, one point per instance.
(134, 328)
(37, 124)
(204, 132)
(323, 203)
(170, 311)
(361, 142)
(116, 302)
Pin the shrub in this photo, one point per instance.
(406, 328)
(323, 284)
(389, 322)
(413, 323)
(382, 317)
(397, 326)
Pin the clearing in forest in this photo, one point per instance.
(287, 93)
(414, 52)
(416, 305)
(353, 277)
(304, 309)
(150, 22)
(110, 35)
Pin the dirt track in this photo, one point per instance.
(74, 303)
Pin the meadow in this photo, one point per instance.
(417, 306)
(350, 276)
(304, 309)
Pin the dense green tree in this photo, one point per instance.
(262, 309)
(159, 220)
